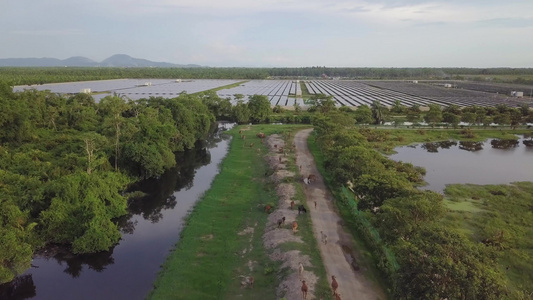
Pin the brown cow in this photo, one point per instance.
(334, 285)
(268, 208)
(292, 204)
(281, 222)
(294, 227)
(304, 290)
(261, 135)
(311, 178)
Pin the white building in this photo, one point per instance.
(517, 94)
(85, 91)
(448, 85)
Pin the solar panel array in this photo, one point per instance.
(288, 92)
(134, 89)
(279, 92)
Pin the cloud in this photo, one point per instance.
(48, 32)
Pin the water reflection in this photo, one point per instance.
(20, 288)
(159, 191)
(494, 161)
(504, 144)
(74, 263)
(471, 146)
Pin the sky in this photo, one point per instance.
(275, 33)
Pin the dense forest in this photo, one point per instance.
(26, 76)
(66, 162)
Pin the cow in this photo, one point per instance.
(301, 208)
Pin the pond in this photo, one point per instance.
(149, 232)
(493, 161)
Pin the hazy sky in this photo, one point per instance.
(274, 33)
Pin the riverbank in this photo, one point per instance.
(221, 246)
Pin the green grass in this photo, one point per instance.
(484, 211)
(209, 258)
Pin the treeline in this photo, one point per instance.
(437, 115)
(26, 76)
(421, 256)
(66, 162)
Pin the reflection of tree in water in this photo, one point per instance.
(504, 144)
(528, 140)
(471, 146)
(160, 190)
(74, 262)
(96, 261)
(218, 135)
(431, 147)
(434, 147)
(20, 288)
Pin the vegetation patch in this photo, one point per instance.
(233, 213)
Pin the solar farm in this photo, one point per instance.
(133, 89)
(290, 92)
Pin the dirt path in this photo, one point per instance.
(337, 254)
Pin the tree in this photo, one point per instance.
(516, 117)
(397, 107)
(148, 153)
(502, 119)
(241, 113)
(452, 109)
(374, 188)
(451, 118)
(469, 118)
(401, 218)
(434, 115)
(111, 109)
(438, 262)
(259, 107)
(363, 115)
(378, 112)
(323, 103)
(82, 209)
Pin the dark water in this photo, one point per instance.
(149, 232)
(493, 161)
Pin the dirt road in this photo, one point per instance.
(337, 253)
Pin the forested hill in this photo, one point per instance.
(117, 60)
(23, 76)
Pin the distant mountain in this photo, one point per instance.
(117, 60)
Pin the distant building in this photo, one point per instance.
(414, 81)
(178, 80)
(517, 94)
(85, 91)
(448, 85)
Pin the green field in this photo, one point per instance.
(211, 256)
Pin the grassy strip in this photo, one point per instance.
(229, 86)
(211, 256)
(365, 259)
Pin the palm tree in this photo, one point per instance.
(377, 112)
